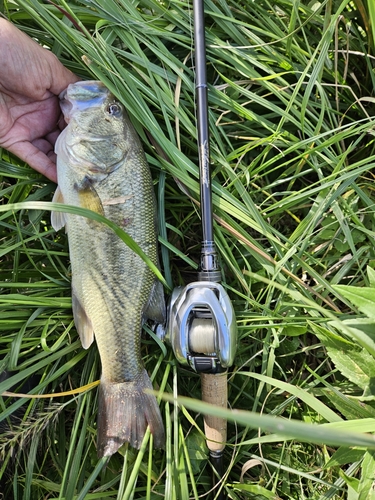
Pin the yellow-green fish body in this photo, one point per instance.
(101, 166)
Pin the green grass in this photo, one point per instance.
(292, 143)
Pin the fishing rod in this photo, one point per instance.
(214, 381)
(201, 324)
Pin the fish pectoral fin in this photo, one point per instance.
(83, 323)
(58, 219)
(155, 308)
(89, 198)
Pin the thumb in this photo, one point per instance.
(61, 76)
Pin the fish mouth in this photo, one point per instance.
(82, 95)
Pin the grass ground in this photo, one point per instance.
(291, 95)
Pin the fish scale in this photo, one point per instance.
(101, 166)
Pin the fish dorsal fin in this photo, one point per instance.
(88, 197)
(82, 322)
(58, 219)
(155, 308)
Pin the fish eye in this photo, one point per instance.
(114, 109)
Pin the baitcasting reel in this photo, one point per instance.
(201, 327)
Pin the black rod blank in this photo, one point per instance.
(209, 265)
(202, 120)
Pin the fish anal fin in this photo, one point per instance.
(82, 322)
(125, 410)
(88, 197)
(155, 308)
(58, 219)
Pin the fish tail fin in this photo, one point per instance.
(125, 411)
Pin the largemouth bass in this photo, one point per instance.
(101, 166)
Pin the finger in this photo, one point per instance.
(43, 145)
(52, 156)
(37, 159)
(52, 137)
(61, 76)
(61, 122)
(46, 146)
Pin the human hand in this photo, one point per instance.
(31, 79)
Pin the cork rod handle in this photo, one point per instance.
(215, 391)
